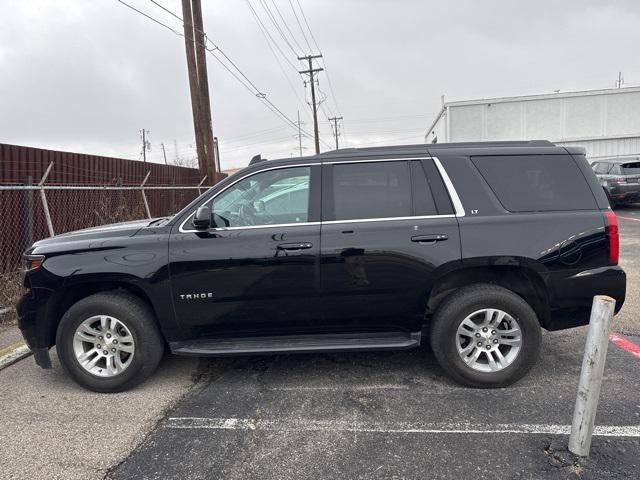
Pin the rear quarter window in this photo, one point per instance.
(536, 183)
(631, 168)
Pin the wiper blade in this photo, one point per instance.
(158, 220)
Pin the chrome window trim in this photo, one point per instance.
(457, 203)
(388, 219)
(455, 199)
(253, 227)
(184, 230)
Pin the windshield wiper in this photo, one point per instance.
(158, 220)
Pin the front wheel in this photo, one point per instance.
(485, 336)
(109, 342)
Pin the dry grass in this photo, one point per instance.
(10, 292)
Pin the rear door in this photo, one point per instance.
(387, 226)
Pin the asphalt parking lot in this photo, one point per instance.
(387, 415)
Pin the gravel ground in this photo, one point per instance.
(51, 428)
(628, 320)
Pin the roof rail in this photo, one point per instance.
(510, 143)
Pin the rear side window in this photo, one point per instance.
(631, 168)
(371, 190)
(601, 168)
(536, 183)
(423, 201)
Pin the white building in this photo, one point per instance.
(605, 122)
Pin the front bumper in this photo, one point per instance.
(33, 324)
(572, 294)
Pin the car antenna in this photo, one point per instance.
(257, 159)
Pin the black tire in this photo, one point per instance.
(464, 302)
(612, 203)
(138, 318)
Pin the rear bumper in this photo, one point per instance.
(625, 193)
(574, 291)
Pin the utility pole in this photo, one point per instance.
(145, 145)
(310, 72)
(336, 132)
(194, 40)
(164, 153)
(299, 133)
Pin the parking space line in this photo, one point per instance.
(302, 425)
(629, 218)
(625, 344)
(342, 387)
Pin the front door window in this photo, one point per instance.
(274, 197)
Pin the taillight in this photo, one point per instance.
(620, 180)
(612, 236)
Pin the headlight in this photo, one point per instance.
(31, 262)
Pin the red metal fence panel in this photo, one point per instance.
(22, 219)
(18, 162)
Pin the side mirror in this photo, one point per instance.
(202, 219)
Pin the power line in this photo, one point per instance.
(286, 25)
(257, 17)
(151, 18)
(300, 25)
(166, 10)
(261, 27)
(273, 20)
(324, 63)
(261, 96)
(304, 17)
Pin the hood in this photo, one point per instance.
(89, 236)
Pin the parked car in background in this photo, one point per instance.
(620, 179)
(474, 248)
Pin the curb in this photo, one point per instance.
(13, 353)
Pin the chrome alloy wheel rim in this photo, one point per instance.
(489, 340)
(103, 346)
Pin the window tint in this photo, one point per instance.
(615, 169)
(267, 198)
(371, 190)
(423, 203)
(530, 183)
(631, 168)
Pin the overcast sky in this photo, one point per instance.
(86, 76)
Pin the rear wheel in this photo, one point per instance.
(109, 342)
(485, 336)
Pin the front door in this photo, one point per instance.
(387, 226)
(256, 270)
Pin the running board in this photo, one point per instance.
(298, 343)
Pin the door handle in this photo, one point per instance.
(295, 246)
(429, 238)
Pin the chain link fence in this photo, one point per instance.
(31, 211)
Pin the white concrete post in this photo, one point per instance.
(144, 195)
(43, 198)
(595, 355)
(200, 184)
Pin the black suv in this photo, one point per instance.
(475, 247)
(620, 179)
